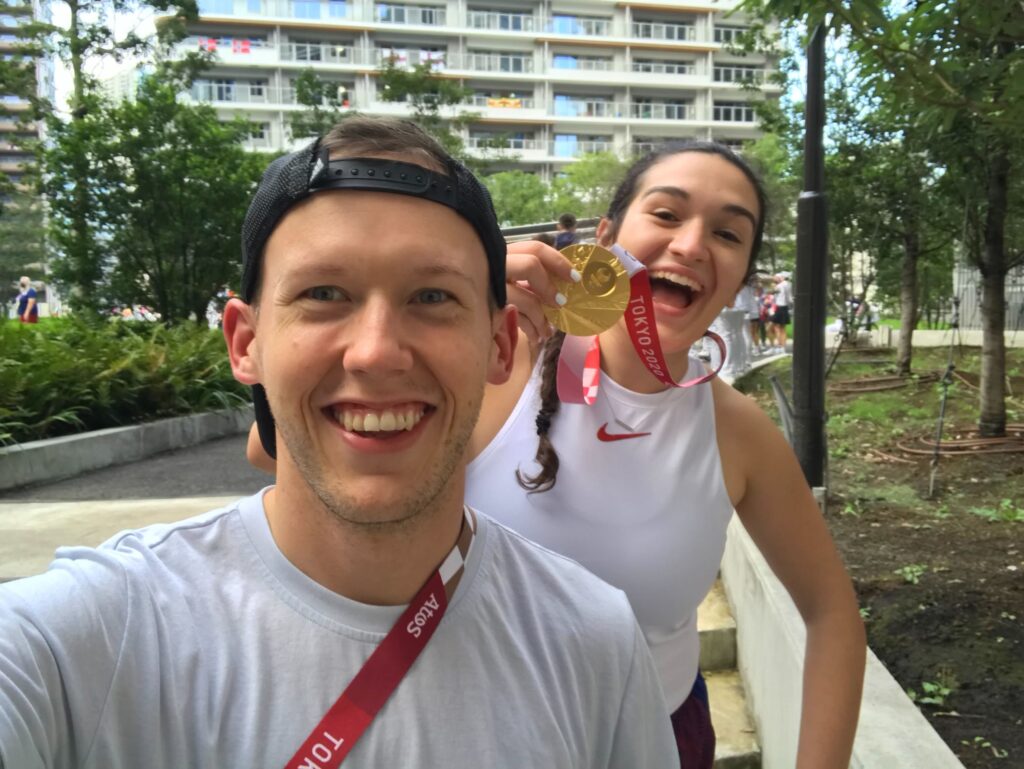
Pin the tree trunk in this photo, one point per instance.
(82, 254)
(908, 296)
(992, 418)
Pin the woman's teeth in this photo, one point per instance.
(677, 279)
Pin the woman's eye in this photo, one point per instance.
(667, 216)
(324, 294)
(729, 235)
(432, 296)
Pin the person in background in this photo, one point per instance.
(28, 307)
(566, 234)
(780, 316)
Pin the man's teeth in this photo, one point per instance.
(679, 280)
(388, 420)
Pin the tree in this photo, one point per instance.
(957, 67)
(22, 239)
(89, 36)
(586, 186)
(519, 198)
(324, 102)
(170, 189)
(428, 95)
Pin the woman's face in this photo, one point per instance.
(692, 223)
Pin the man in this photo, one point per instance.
(28, 309)
(226, 640)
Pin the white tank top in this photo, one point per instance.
(647, 513)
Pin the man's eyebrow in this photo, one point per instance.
(679, 192)
(442, 271)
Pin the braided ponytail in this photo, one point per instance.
(546, 456)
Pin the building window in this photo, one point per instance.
(337, 9)
(734, 112)
(216, 7)
(657, 67)
(308, 51)
(254, 6)
(739, 73)
(260, 132)
(579, 25)
(224, 90)
(728, 35)
(306, 9)
(564, 61)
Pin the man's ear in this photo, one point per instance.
(239, 321)
(505, 337)
(603, 232)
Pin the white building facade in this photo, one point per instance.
(551, 80)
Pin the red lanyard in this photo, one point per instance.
(338, 731)
(579, 363)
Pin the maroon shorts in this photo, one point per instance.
(31, 319)
(695, 736)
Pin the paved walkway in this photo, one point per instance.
(90, 508)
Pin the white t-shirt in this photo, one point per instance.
(783, 294)
(199, 644)
(647, 513)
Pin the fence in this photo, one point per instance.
(967, 287)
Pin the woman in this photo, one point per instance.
(640, 485)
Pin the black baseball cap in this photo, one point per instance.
(295, 176)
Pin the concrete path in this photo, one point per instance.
(90, 508)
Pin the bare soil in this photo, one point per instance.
(940, 580)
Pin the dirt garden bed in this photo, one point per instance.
(940, 581)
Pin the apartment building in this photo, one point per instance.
(551, 79)
(14, 108)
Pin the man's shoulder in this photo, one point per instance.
(553, 581)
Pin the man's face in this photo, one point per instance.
(373, 338)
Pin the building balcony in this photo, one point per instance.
(410, 15)
(662, 111)
(325, 53)
(664, 67)
(503, 102)
(587, 108)
(739, 74)
(577, 25)
(501, 21)
(505, 63)
(653, 30)
(570, 64)
(235, 93)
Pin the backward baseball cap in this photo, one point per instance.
(293, 177)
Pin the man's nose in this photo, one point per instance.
(377, 344)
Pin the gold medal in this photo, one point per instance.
(597, 302)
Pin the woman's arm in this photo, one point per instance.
(779, 512)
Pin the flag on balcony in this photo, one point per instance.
(207, 44)
(240, 45)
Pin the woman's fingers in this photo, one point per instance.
(536, 265)
(532, 320)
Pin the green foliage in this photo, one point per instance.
(170, 186)
(983, 743)
(431, 98)
(912, 572)
(22, 240)
(935, 692)
(519, 198)
(585, 187)
(71, 376)
(1007, 512)
(323, 102)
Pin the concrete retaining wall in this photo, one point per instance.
(56, 458)
(892, 732)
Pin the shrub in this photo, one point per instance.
(71, 376)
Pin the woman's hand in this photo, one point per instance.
(531, 268)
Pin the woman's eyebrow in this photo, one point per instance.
(679, 192)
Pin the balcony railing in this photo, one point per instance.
(492, 62)
(739, 75)
(233, 92)
(583, 65)
(323, 52)
(661, 111)
(411, 14)
(655, 30)
(503, 102)
(504, 143)
(586, 108)
(507, 22)
(572, 25)
(664, 67)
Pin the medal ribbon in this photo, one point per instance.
(583, 354)
(338, 731)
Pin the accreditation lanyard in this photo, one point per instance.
(338, 731)
(579, 362)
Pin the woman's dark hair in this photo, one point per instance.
(546, 455)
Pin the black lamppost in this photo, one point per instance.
(811, 284)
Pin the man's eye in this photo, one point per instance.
(432, 296)
(324, 294)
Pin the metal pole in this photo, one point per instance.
(811, 284)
